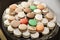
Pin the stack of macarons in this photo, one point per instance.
(29, 19)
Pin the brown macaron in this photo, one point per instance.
(30, 15)
(13, 7)
(15, 23)
(27, 10)
(49, 16)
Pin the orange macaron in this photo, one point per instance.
(40, 27)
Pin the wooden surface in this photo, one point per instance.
(2, 37)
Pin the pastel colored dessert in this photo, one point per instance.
(46, 31)
(24, 21)
(21, 14)
(37, 11)
(40, 27)
(7, 11)
(17, 32)
(10, 29)
(15, 23)
(24, 4)
(13, 7)
(27, 10)
(11, 18)
(38, 17)
(51, 25)
(45, 11)
(31, 29)
(30, 15)
(23, 27)
(44, 21)
(26, 34)
(49, 16)
(6, 22)
(40, 6)
(32, 22)
(35, 35)
(36, 2)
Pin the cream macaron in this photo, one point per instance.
(21, 14)
(38, 17)
(10, 29)
(35, 35)
(37, 11)
(26, 34)
(44, 21)
(51, 25)
(17, 32)
(46, 31)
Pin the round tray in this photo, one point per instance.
(52, 34)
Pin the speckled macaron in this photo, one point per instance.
(38, 17)
(51, 25)
(44, 21)
(46, 31)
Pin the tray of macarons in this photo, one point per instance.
(29, 20)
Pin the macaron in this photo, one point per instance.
(6, 16)
(7, 10)
(32, 7)
(36, 2)
(35, 35)
(21, 14)
(32, 29)
(45, 11)
(23, 27)
(11, 18)
(24, 4)
(40, 6)
(40, 27)
(15, 23)
(44, 21)
(38, 17)
(24, 21)
(49, 15)
(27, 10)
(51, 25)
(18, 9)
(32, 22)
(13, 7)
(26, 34)
(10, 29)
(37, 11)
(6, 22)
(17, 32)
(54, 19)
(46, 31)
(30, 15)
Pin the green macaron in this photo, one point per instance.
(32, 7)
(32, 22)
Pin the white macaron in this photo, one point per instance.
(46, 31)
(21, 14)
(38, 17)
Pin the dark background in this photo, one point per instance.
(5, 3)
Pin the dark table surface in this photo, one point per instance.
(5, 3)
